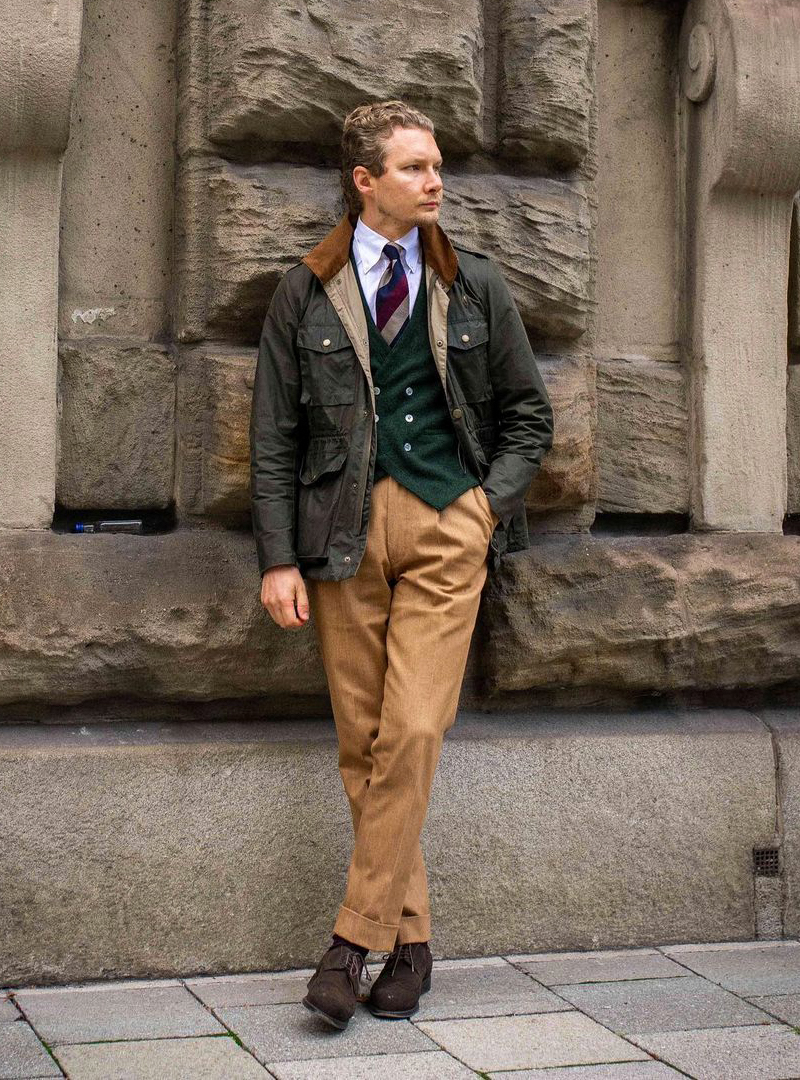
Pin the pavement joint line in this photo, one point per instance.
(712, 1027)
(677, 1069)
(233, 1034)
(365, 1053)
(146, 1039)
(576, 1008)
(663, 1061)
(736, 993)
(491, 1016)
(630, 978)
(46, 1045)
(450, 1053)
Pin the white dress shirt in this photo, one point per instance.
(371, 262)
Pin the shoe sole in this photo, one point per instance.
(403, 1014)
(332, 1020)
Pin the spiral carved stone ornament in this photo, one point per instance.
(698, 63)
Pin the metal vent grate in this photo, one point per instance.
(766, 861)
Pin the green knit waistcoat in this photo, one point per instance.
(417, 443)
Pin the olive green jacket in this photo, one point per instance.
(312, 422)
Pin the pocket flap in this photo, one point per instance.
(323, 456)
(323, 339)
(476, 332)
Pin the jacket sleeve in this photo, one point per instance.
(525, 413)
(274, 433)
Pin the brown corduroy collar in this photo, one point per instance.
(332, 252)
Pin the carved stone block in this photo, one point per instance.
(537, 230)
(567, 476)
(258, 220)
(289, 72)
(701, 611)
(117, 425)
(642, 436)
(215, 390)
(546, 89)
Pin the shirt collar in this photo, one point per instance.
(369, 247)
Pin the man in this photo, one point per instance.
(398, 419)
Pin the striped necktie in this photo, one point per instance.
(391, 301)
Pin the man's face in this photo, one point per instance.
(409, 192)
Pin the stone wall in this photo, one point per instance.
(633, 169)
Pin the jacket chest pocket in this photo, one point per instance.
(468, 358)
(328, 365)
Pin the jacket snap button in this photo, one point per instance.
(440, 343)
(457, 414)
(347, 558)
(465, 337)
(326, 341)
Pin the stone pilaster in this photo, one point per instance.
(740, 112)
(38, 66)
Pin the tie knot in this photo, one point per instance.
(391, 252)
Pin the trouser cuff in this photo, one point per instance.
(372, 935)
(414, 928)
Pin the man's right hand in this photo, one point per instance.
(282, 587)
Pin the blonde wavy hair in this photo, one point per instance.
(364, 134)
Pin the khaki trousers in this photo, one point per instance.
(394, 640)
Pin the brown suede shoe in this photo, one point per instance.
(405, 977)
(333, 988)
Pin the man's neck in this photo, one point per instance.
(386, 227)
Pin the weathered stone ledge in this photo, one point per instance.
(658, 613)
(176, 617)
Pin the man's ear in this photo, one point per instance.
(362, 176)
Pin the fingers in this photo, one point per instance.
(284, 595)
(301, 600)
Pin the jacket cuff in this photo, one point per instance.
(270, 555)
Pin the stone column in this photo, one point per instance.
(740, 117)
(38, 66)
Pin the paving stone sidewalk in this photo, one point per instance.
(706, 1011)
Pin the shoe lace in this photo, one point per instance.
(404, 950)
(354, 962)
